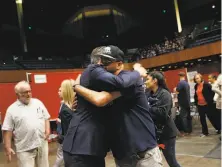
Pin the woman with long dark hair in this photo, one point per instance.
(160, 101)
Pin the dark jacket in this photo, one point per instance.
(132, 128)
(86, 134)
(161, 112)
(207, 93)
(65, 115)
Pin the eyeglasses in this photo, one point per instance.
(25, 92)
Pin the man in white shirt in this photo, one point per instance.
(27, 121)
(216, 116)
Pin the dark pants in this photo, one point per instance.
(73, 160)
(185, 119)
(203, 112)
(214, 116)
(169, 152)
(218, 118)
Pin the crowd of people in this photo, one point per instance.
(207, 98)
(106, 109)
(167, 46)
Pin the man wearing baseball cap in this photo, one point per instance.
(130, 128)
(85, 143)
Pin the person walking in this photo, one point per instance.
(183, 91)
(160, 101)
(203, 98)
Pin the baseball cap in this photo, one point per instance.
(113, 53)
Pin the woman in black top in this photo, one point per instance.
(160, 101)
(203, 98)
(66, 111)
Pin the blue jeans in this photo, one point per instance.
(184, 113)
(169, 152)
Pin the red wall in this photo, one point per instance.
(7, 97)
(48, 92)
(172, 78)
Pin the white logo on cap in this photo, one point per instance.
(107, 50)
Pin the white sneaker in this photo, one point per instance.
(203, 135)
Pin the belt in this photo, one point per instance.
(142, 154)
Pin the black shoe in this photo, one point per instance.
(219, 132)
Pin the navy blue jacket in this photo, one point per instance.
(131, 124)
(86, 134)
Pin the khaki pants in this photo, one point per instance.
(59, 157)
(152, 158)
(36, 157)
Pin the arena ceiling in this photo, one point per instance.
(156, 18)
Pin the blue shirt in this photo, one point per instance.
(87, 133)
(184, 94)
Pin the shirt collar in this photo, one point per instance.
(19, 103)
(157, 92)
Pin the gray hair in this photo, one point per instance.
(95, 58)
(19, 85)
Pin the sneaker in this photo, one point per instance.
(203, 135)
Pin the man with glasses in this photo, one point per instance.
(27, 121)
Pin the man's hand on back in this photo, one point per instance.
(139, 68)
(137, 65)
(77, 81)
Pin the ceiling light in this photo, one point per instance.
(3, 63)
(209, 60)
(199, 59)
(163, 67)
(19, 1)
(169, 67)
(213, 6)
